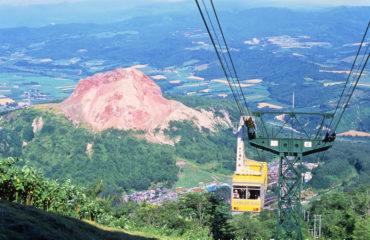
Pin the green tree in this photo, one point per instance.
(28, 134)
(344, 215)
(10, 143)
(208, 211)
(95, 189)
(362, 228)
(251, 227)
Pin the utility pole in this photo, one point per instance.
(317, 230)
(308, 217)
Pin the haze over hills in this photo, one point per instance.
(42, 13)
(302, 51)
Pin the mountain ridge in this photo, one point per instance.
(126, 99)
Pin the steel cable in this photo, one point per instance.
(218, 56)
(349, 76)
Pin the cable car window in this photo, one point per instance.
(239, 192)
(253, 193)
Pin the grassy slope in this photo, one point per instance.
(191, 174)
(60, 149)
(26, 222)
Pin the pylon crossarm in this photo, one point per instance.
(302, 127)
(282, 127)
(273, 123)
(283, 145)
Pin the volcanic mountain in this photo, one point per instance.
(128, 99)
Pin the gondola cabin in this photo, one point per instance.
(249, 183)
(249, 186)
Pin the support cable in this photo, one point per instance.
(352, 86)
(353, 89)
(218, 55)
(222, 52)
(350, 73)
(228, 52)
(355, 78)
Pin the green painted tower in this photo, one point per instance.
(291, 149)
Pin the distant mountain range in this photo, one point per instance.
(308, 52)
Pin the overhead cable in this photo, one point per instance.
(225, 60)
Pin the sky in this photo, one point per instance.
(314, 2)
(37, 13)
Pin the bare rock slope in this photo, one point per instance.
(128, 99)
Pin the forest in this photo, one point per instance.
(345, 164)
(126, 163)
(123, 161)
(193, 216)
(88, 185)
(201, 215)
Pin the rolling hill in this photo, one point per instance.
(119, 128)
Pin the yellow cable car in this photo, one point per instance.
(249, 188)
(249, 182)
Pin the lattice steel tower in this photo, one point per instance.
(290, 150)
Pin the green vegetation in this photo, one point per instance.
(28, 186)
(191, 175)
(344, 215)
(122, 161)
(20, 222)
(209, 104)
(252, 226)
(203, 146)
(347, 164)
(193, 216)
(125, 162)
(10, 143)
(142, 163)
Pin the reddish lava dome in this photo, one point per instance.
(123, 99)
